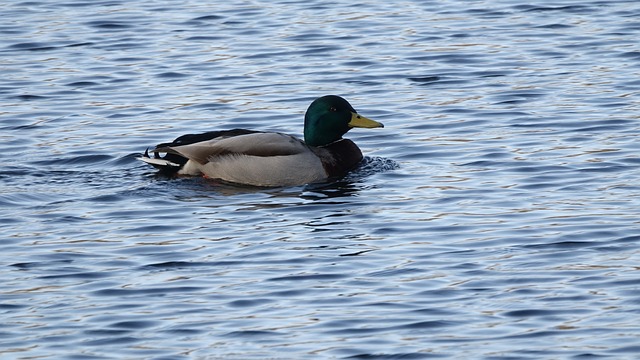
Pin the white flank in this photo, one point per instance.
(260, 159)
(286, 170)
(190, 168)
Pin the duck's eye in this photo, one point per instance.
(333, 109)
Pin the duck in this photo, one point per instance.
(270, 159)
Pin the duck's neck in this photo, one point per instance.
(315, 140)
(321, 134)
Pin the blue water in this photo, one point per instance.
(496, 216)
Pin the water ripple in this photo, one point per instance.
(498, 204)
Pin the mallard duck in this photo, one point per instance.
(270, 158)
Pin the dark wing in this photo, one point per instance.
(194, 138)
(255, 144)
(172, 162)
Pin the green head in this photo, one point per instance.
(330, 117)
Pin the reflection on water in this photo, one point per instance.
(495, 216)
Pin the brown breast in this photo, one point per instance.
(339, 156)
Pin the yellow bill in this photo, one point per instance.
(363, 122)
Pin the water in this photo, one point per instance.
(496, 216)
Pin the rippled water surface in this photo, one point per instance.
(496, 216)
